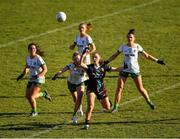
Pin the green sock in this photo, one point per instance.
(34, 110)
(74, 114)
(116, 106)
(42, 94)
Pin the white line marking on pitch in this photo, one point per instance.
(152, 94)
(125, 103)
(76, 24)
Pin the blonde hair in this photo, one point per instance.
(100, 60)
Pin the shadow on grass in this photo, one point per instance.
(156, 121)
(53, 96)
(42, 126)
(32, 126)
(12, 97)
(23, 114)
(113, 76)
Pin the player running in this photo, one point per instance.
(95, 86)
(76, 83)
(84, 42)
(37, 68)
(131, 51)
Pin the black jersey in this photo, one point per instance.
(96, 76)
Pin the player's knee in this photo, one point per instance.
(141, 89)
(108, 107)
(32, 97)
(119, 89)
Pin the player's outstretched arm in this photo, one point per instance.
(60, 72)
(150, 57)
(111, 58)
(118, 69)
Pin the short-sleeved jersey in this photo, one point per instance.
(34, 65)
(77, 75)
(82, 43)
(96, 76)
(131, 57)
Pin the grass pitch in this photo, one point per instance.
(157, 25)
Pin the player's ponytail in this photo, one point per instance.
(131, 31)
(38, 50)
(89, 27)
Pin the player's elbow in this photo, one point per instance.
(94, 49)
(147, 56)
(45, 69)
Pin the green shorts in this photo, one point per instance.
(126, 74)
(72, 87)
(33, 84)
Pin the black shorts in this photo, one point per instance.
(33, 84)
(72, 87)
(100, 95)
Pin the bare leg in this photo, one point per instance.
(142, 90)
(90, 100)
(80, 91)
(28, 93)
(119, 89)
(74, 96)
(105, 103)
(34, 95)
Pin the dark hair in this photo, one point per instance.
(75, 54)
(131, 31)
(38, 50)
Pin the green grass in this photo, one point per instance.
(157, 27)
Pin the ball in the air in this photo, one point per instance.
(60, 16)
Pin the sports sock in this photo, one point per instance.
(80, 108)
(34, 110)
(74, 114)
(42, 94)
(87, 122)
(116, 106)
(148, 100)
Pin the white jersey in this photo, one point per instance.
(131, 57)
(34, 65)
(77, 75)
(82, 43)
